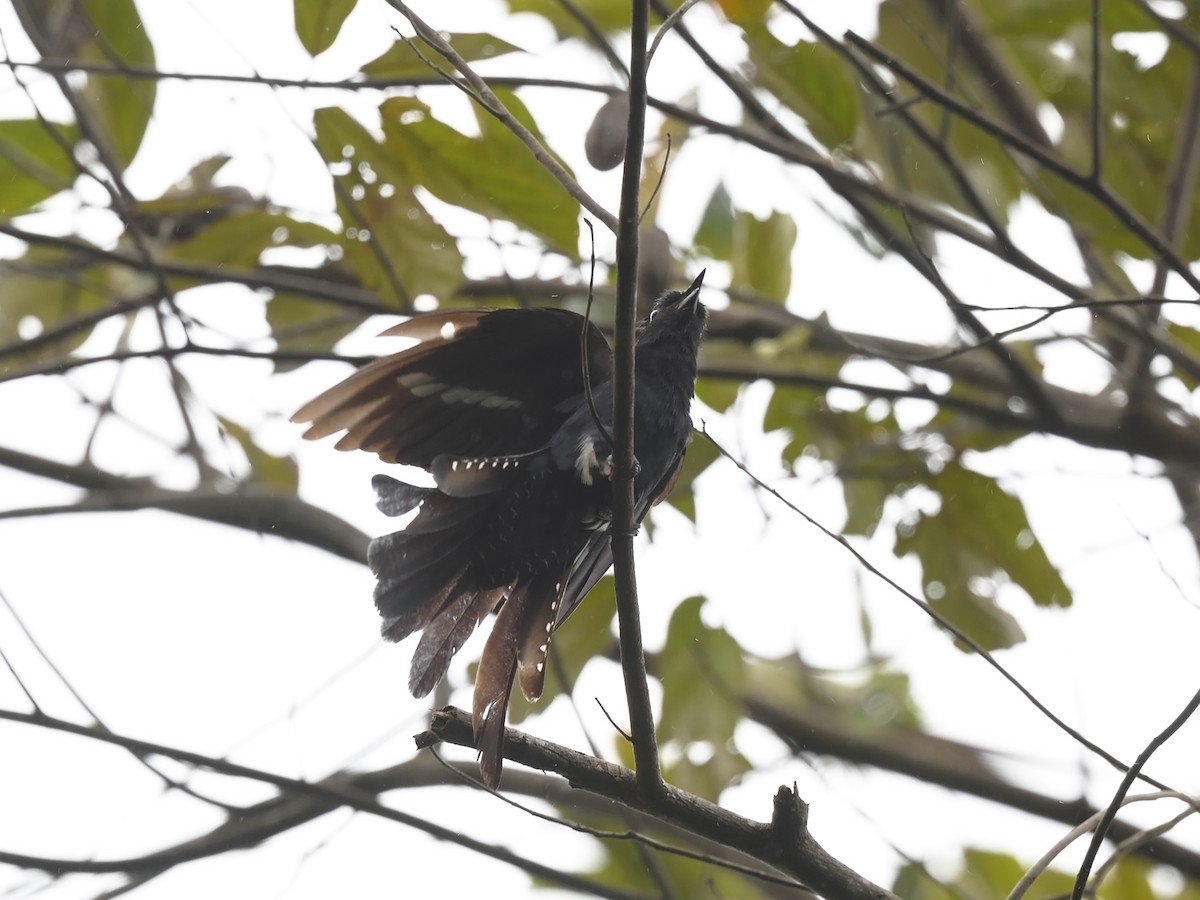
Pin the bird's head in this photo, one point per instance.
(677, 316)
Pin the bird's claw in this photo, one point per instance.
(608, 464)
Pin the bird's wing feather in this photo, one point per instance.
(477, 383)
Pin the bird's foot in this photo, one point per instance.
(607, 465)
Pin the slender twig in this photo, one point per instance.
(584, 330)
(58, 367)
(490, 102)
(785, 843)
(1121, 211)
(937, 617)
(633, 662)
(1131, 775)
(1097, 110)
(662, 175)
(1022, 887)
(598, 37)
(339, 790)
(668, 23)
(122, 201)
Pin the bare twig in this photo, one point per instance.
(785, 843)
(633, 662)
(941, 620)
(1131, 775)
(1097, 110)
(1022, 887)
(339, 790)
(490, 102)
(667, 24)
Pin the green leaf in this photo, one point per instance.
(307, 325)
(241, 239)
(494, 175)
(703, 676)
(407, 252)
(714, 235)
(718, 393)
(278, 472)
(983, 873)
(978, 539)
(762, 253)
(810, 79)
(120, 106)
(401, 61)
(910, 31)
(33, 163)
(47, 287)
(608, 16)
(865, 497)
(624, 868)
(319, 21)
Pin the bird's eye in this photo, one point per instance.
(653, 312)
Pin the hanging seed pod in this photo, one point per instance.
(605, 142)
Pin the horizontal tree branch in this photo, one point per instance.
(785, 843)
(332, 793)
(249, 507)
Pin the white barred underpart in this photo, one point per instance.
(422, 385)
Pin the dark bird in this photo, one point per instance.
(492, 404)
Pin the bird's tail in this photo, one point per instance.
(423, 584)
(426, 584)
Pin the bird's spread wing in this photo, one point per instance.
(478, 383)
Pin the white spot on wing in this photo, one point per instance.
(414, 379)
(585, 460)
(448, 331)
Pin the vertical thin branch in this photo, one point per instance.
(1097, 105)
(633, 663)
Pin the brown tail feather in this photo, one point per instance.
(448, 631)
(493, 683)
(536, 632)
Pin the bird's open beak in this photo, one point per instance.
(690, 298)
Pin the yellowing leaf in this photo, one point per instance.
(742, 11)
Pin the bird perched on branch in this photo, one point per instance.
(492, 403)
